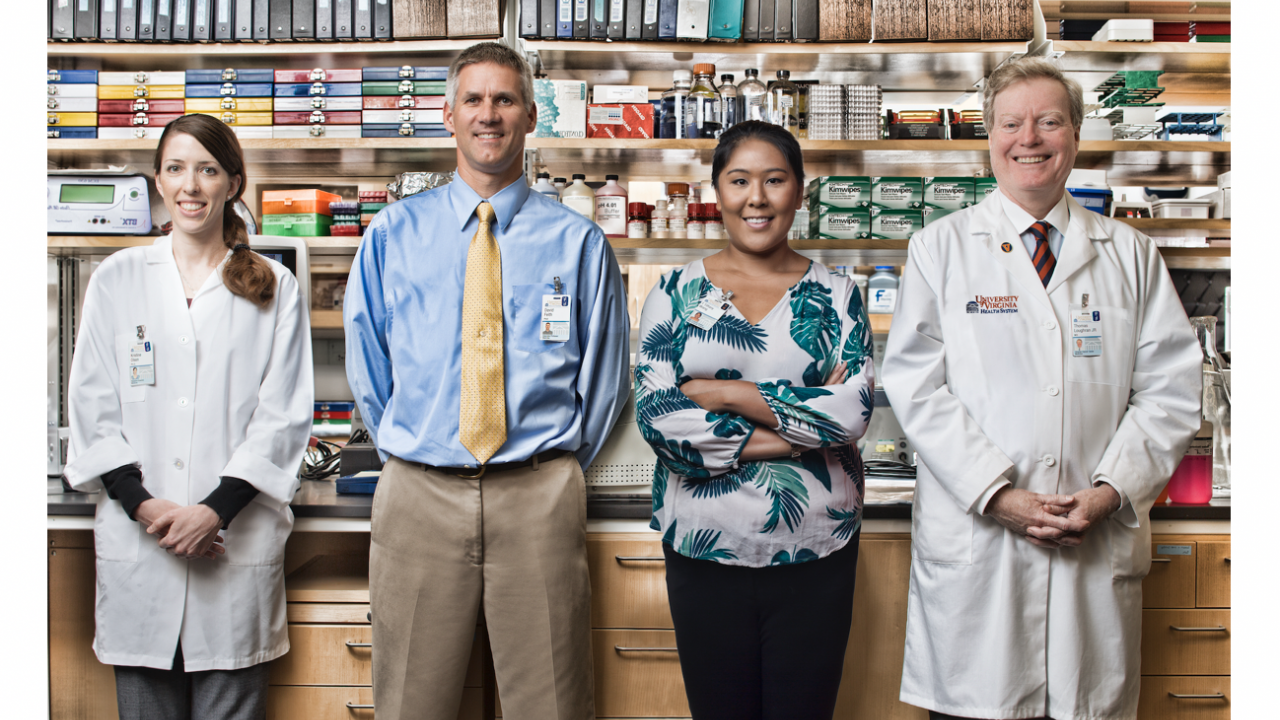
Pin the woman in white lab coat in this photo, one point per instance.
(191, 402)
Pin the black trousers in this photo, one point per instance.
(762, 643)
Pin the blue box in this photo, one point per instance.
(215, 90)
(72, 133)
(405, 73)
(317, 89)
(420, 130)
(74, 77)
(1093, 199)
(217, 75)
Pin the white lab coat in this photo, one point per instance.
(997, 627)
(233, 396)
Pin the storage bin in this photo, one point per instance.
(295, 202)
(1095, 199)
(297, 225)
(1198, 208)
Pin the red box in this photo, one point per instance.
(332, 415)
(631, 120)
(1211, 28)
(392, 102)
(320, 75)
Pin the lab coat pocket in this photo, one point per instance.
(1115, 365)
(257, 535)
(1130, 550)
(941, 532)
(128, 393)
(115, 536)
(525, 319)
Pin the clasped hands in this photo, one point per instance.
(1052, 521)
(189, 531)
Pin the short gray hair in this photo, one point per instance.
(1029, 68)
(498, 54)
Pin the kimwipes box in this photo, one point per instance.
(620, 121)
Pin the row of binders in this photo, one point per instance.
(724, 20)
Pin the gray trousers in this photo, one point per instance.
(144, 693)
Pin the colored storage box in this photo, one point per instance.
(73, 119)
(169, 77)
(319, 75)
(329, 406)
(419, 130)
(138, 132)
(72, 133)
(75, 104)
(315, 131)
(297, 225)
(346, 230)
(234, 104)
(403, 87)
(239, 118)
(137, 119)
(299, 201)
(317, 117)
(620, 120)
(68, 90)
(1094, 199)
(228, 90)
(403, 102)
(895, 223)
(407, 115)
(316, 102)
(310, 89)
(405, 72)
(74, 77)
(231, 75)
(142, 105)
(251, 132)
(128, 92)
(333, 414)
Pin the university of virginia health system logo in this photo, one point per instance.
(992, 304)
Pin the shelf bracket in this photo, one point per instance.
(532, 161)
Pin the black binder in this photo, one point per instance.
(63, 21)
(280, 19)
(243, 21)
(782, 21)
(766, 20)
(616, 13)
(632, 16)
(126, 19)
(164, 20)
(86, 22)
(304, 19)
(181, 31)
(547, 19)
(324, 19)
(146, 20)
(581, 19)
(363, 20)
(667, 15)
(751, 20)
(342, 19)
(806, 23)
(201, 20)
(649, 20)
(224, 20)
(261, 19)
(381, 19)
(529, 19)
(107, 20)
(598, 29)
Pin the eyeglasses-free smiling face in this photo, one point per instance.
(1033, 146)
(489, 120)
(759, 196)
(194, 186)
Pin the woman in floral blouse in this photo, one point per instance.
(753, 414)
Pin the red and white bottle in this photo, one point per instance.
(611, 208)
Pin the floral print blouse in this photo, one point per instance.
(707, 503)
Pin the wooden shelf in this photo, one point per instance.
(326, 319)
(1172, 57)
(174, 56)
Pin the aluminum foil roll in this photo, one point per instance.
(412, 183)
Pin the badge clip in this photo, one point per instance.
(559, 287)
(1084, 300)
(142, 332)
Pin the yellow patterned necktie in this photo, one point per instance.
(482, 422)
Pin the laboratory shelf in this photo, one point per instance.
(1172, 57)
(281, 55)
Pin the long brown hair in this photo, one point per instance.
(247, 273)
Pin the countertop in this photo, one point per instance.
(319, 499)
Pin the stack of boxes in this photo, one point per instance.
(72, 104)
(1216, 32)
(297, 213)
(1172, 32)
(332, 419)
(239, 98)
(862, 104)
(840, 207)
(616, 111)
(346, 218)
(859, 207)
(316, 103)
(403, 101)
(826, 112)
(138, 104)
(371, 201)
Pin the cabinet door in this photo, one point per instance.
(80, 687)
(628, 583)
(1172, 580)
(1213, 574)
(1186, 642)
(1185, 698)
(638, 674)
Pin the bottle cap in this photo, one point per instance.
(678, 189)
(638, 208)
(704, 69)
(559, 180)
(579, 176)
(784, 74)
(695, 211)
(751, 72)
(681, 76)
(544, 175)
(726, 78)
(884, 267)
(607, 178)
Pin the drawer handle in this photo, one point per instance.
(619, 648)
(358, 707)
(1198, 629)
(1161, 560)
(1226, 560)
(1214, 696)
(358, 645)
(630, 558)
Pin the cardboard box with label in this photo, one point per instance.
(624, 120)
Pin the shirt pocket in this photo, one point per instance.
(1115, 365)
(128, 393)
(526, 318)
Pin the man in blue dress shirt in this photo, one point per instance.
(482, 503)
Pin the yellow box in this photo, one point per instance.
(239, 118)
(130, 92)
(73, 119)
(221, 105)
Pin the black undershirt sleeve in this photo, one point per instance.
(125, 484)
(229, 498)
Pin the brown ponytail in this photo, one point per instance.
(247, 273)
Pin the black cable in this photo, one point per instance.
(360, 436)
(889, 469)
(321, 461)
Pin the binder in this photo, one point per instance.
(725, 20)
(691, 19)
(751, 20)
(649, 20)
(342, 19)
(303, 19)
(261, 19)
(633, 19)
(564, 18)
(363, 22)
(581, 19)
(126, 19)
(766, 21)
(164, 20)
(182, 20)
(146, 20)
(547, 19)
(529, 27)
(381, 19)
(805, 26)
(86, 22)
(323, 21)
(782, 16)
(280, 19)
(598, 29)
(223, 20)
(667, 15)
(616, 11)
(63, 20)
(201, 20)
(107, 21)
(243, 21)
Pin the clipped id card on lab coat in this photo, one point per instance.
(710, 310)
(555, 318)
(142, 364)
(1086, 332)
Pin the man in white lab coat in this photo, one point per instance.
(1042, 365)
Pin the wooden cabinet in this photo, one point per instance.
(1213, 574)
(1185, 698)
(80, 687)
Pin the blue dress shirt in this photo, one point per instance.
(403, 319)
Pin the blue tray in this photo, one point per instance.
(213, 90)
(413, 73)
(335, 407)
(356, 485)
(308, 89)
(72, 133)
(420, 130)
(74, 77)
(216, 75)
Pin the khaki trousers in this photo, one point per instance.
(512, 542)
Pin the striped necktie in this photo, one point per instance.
(1043, 257)
(482, 426)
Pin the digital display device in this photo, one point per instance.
(87, 194)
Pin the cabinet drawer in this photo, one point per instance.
(1172, 580)
(628, 582)
(328, 613)
(319, 655)
(330, 703)
(1157, 701)
(1213, 574)
(635, 682)
(1190, 651)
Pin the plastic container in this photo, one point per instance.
(544, 186)
(297, 202)
(1192, 482)
(560, 184)
(1197, 208)
(637, 220)
(660, 219)
(752, 97)
(1126, 30)
(611, 208)
(297, 225)
(1093, 199)
(882, 290)
(580, 197)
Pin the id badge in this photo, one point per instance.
(142, 364)
(555, 318)
(710, 310)
(1086, 332)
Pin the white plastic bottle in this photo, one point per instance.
(611, 208)
(882, 290)
(580, 197)
(544, 186)
(659, 221)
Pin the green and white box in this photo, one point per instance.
(845, 191)
(954, 193)
(900, 193)
(895, 223)
(933, 214)
(562, 108)
(982, 187)
(837, 223)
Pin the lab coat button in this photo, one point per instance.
(1049, 461)
(182, 402)
(1052, 390)
(177, 464)
(1050, 325)
(183, 339)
